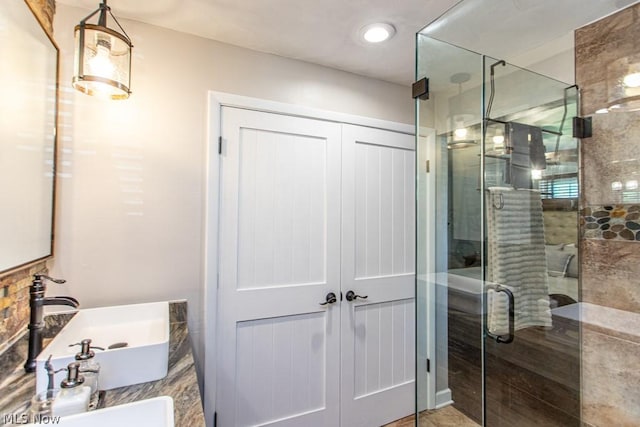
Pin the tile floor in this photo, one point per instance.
(445, 417)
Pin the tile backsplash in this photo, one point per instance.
(14, 302)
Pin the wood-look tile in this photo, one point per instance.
(565, 397)
(466, 387)
(517, 408)
(539, 371)
(445, 417)
(465, 363)
(404, 422)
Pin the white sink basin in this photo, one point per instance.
(144, 327)
(156, 412)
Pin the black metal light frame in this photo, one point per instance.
(79, 75)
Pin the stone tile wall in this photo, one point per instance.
(14, 302)
(610, 223)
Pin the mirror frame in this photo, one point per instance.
(47, 42)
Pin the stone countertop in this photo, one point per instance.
(181, 383)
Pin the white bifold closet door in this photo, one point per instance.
(378, 258)
(309, 207)
(279, 257)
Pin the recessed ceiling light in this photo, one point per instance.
(376, 33)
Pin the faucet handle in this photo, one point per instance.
(40, 277)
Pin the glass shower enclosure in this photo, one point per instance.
(497, 204)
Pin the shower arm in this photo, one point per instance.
(564, 117)
(492, 95)
(492, 74)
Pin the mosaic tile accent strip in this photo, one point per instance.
(611, 222)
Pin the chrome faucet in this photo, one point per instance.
(37, 301)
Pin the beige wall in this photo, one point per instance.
(610, 258)
(132, 173)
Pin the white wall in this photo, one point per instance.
(555, 58)
(130, 200)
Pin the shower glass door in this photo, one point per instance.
(530, 158)
(497, 193)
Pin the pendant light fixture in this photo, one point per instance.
(102, 65)
(462, 133)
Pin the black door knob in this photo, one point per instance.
(351, 296)
(330, 299)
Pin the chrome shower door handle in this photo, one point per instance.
(351, 296)
(329, 299)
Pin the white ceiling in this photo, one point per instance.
(320, 31)
(326, 32)
(507, 28)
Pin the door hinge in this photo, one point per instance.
(420, 89)
(427, 166)
(582, 127)
(219, 145)
(428, 365)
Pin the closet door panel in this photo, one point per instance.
(378, 257)
(278, 363)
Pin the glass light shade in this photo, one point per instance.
(460, 134)
(102, 65)
(461, 131)
(623, 84)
